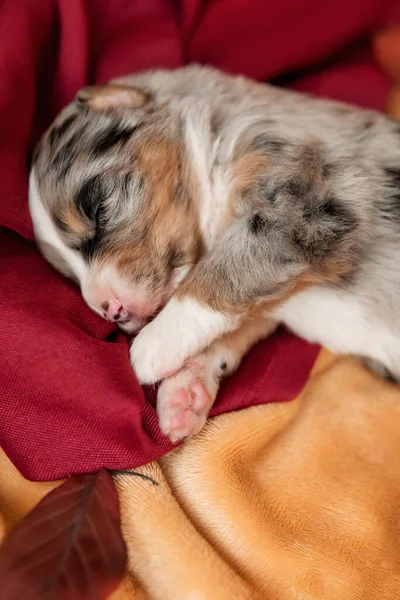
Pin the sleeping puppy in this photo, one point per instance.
(203, 209)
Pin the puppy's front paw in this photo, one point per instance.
(185, 399)
(151, 353)
(182, 329)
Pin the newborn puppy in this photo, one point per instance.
(221, 207)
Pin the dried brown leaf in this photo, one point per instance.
(69, 547)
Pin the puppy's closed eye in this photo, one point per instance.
(91, 195)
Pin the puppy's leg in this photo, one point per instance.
(213, 300)
(185, 399)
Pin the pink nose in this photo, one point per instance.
(113, 310)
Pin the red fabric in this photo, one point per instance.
(69, 401)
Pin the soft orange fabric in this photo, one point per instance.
(283, 501)
(386, 49)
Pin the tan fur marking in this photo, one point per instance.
(311, 165)
(75, 222)
(111, 96)
(246, 170)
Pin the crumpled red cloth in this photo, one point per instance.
(69, 402)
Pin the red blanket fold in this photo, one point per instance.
(69, 401)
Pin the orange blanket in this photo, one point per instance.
(295, 500)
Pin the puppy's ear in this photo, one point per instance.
(325, 227)
(110, 96)
(325, 233)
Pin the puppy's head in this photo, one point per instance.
(110, 202)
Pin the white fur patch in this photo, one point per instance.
(213, 194)
(46, 232)
(341, 322)
(182, 329)
(199, 146)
